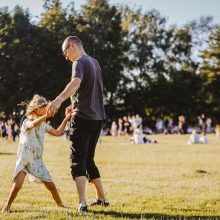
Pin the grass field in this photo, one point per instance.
(154, 181)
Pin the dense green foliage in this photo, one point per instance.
(148, 66)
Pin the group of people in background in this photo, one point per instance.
(135, 127)
(201, 123)
(9, 130)
(138, 130)
(127, 124)
(130, 126)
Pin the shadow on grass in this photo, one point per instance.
(37, 214)
(158, 216)
(7, 153)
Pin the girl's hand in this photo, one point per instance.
(69, 109)
(68, 116)
(48, 114)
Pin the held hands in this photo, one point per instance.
(53, 107)
(48, 114)
(52, 110)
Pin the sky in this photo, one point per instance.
(177, 12)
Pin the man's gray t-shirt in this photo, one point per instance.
(89, 100)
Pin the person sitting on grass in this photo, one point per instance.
(29, 156)
(204, 139)
(196, 139)
(140, 138)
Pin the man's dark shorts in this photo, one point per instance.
(84, 134)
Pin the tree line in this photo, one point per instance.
(149, 67)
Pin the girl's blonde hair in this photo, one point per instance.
(36, 103)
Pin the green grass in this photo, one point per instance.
(154, 181)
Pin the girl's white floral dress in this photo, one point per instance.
(30, 151)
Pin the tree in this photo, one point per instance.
(162, 72)
(148, 66)
(17, 52)
(210, 72)
(100, 29)
(146, 33)
(30, 63)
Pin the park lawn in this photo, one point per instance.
(152, 181)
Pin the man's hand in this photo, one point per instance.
(53, 107)
(70, 89)
(48, 114)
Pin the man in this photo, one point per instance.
(86, 125)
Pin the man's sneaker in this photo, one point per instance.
(82, 207)
(99, 202)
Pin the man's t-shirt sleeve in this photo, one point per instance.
(77, 69)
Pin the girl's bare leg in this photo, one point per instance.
(19, 180)
(52, 188)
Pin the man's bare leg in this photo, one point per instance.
(81, 187)
(100, 195)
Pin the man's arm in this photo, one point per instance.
(70, 89)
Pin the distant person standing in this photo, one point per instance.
(139, 121)
(209, 125)
(126, 125)
(159, 125)
(120, 127)
(217, 131)
(114, 129)
(202, 123)
(4, 131)
(182, 125)
(14, 128)
(86, 126)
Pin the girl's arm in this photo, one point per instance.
(59, 131)
(37, 121)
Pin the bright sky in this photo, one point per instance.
(177, 11)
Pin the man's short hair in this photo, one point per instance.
(72, 39)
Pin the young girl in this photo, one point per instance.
(29, 156)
